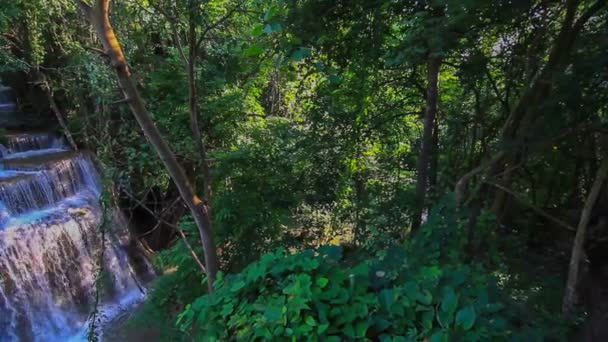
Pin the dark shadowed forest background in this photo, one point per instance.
(386, 170)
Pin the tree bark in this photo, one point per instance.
(98, 15)
(579, 240)
(426, 151)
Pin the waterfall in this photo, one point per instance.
(51, 242)
(6, 99)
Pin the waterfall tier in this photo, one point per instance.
(52, 245)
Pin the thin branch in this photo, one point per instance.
(534, 208)
(180, 48)
(99, 51)
(503, 101)
(218, 23)
(461, 184)
(125, 100)
(179, 231)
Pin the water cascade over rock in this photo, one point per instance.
(52, 245)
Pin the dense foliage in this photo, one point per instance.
(334, 122)
(306, 295)
(404, 293)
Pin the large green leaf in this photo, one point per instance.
(466, 317)
(449, 302)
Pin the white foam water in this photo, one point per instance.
(51, 244)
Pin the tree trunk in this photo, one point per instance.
(98, 14)
(525, 111)
(432, 92)
(537, 91)
(579, 240)
(43, 82)
(434, 165)
(193, 103)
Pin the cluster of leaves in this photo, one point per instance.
(311, 108)
(319, 294)
(398, 294)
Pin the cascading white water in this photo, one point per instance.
(51, 243)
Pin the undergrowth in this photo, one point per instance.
(423, 289)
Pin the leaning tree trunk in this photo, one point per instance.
(526, 109)
(98, 15)
(579, 240)
(537, 91)
(432, 92)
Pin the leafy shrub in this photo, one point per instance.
(318, 295)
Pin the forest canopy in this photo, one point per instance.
(388, 170)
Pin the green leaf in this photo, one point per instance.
(268, 29)
(257, 30)
(335, 79)
(237, 286)
(300, 54)
(274, 27)
(349, 331)
(444, 318)
(387, 298)
(449, 303)
(466, 317)
(439, 336)
(381, 324)
(332, 253)
(322, 282)
(361, 329)
(411, 290)
(425, 297)
(272, 11)
(427, 319)
(273, 314)
(253, 50)
(311, 321)
(227, 309)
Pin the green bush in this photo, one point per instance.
(319, 296)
